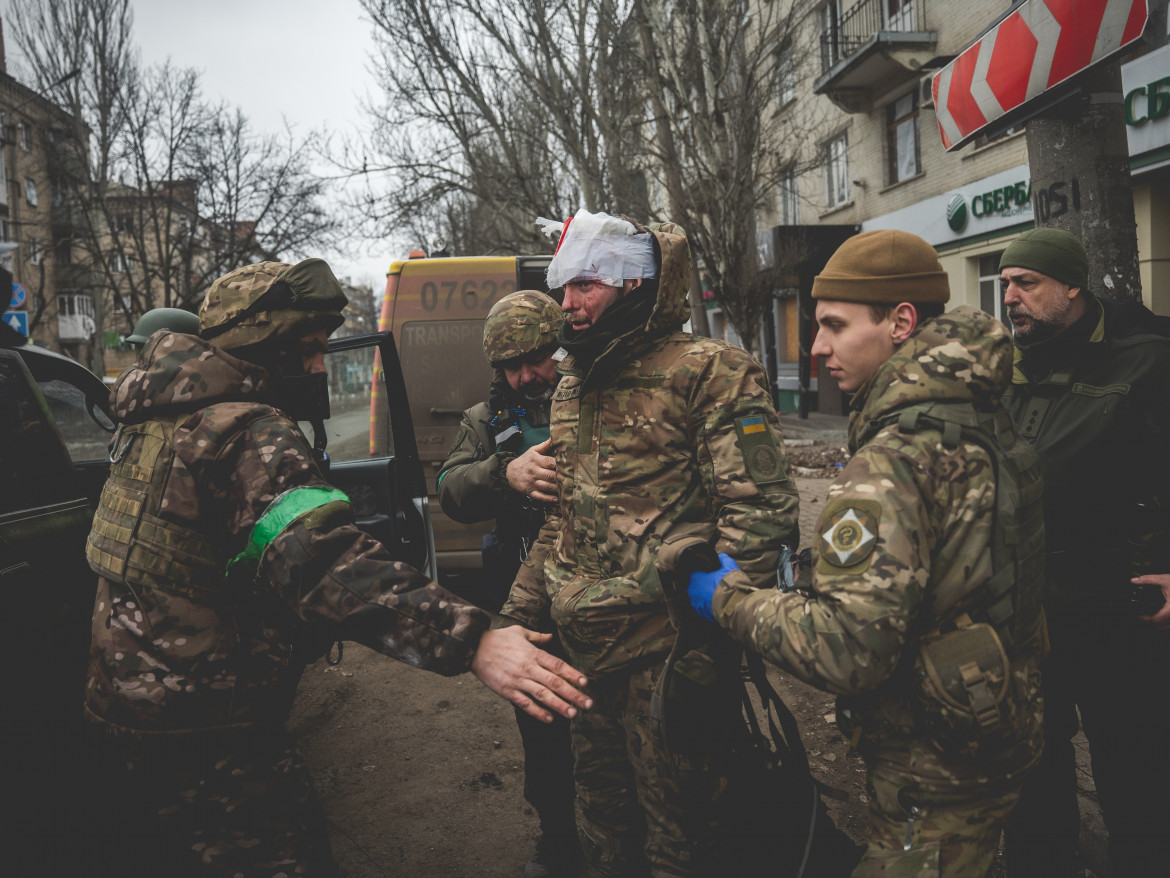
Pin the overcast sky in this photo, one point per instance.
(301, 60)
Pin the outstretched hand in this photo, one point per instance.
(510, 664)
(1160, 619)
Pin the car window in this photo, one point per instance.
(34, 465)
(85, 428)
(359, 426)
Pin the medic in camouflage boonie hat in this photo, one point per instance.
(520, 323)
(270, 301)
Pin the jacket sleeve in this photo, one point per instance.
(528, 603)
(473, 480)
(744, 466)
(308, 552)
(872, 563)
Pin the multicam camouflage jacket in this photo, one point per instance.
(903, 540)
(666, 434)
(204, 618)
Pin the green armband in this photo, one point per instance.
(282, 512)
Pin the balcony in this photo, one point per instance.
(870, 47)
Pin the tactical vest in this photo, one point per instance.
(974, 669)
(1017, 546)
(129, 542)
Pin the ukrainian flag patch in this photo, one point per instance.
(761, 457)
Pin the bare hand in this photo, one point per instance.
(509, 664)
(534, 473)
(1161, 618)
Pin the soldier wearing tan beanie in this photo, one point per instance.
(905, 552)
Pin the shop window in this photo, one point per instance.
(903, 157)
(837, 170)
(990, 297)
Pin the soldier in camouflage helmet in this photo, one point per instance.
(923, 614)
(225, 563)
(656, 433)
(499, 468)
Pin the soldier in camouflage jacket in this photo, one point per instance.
(903, 553)
(226, 561)
(656, 433)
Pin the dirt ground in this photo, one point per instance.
(422, 775)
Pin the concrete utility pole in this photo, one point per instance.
(1080, 179)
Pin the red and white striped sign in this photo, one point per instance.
(1038, 46)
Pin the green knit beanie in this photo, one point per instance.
(1053, 252)
(885, 266)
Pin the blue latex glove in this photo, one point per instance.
(701, 587)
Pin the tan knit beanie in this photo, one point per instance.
(887, 266)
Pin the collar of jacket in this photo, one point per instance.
(1062, 348)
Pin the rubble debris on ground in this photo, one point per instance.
(816, 459)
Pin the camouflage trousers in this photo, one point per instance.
(643, 811)
(932, 828)
(198, 804)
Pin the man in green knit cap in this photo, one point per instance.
(1091, 391)
(923, 613)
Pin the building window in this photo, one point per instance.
(123, 224)
(30, 191)
(987, 139)
(900, 15)
(837, 170)
(25, 136)
(990, 297)
(786, 62)
(902, 138)
(830, 34)
(34, 251)
(789, 203)
(122, 262)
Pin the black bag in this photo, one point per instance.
(770, 817)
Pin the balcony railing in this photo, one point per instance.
(844, 34)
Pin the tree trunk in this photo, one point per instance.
(1079, 160)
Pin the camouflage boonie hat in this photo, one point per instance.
(520, 323)
(271, 300)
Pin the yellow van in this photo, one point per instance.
(435, 309)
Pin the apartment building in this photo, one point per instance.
(873, 159)
(49, 303)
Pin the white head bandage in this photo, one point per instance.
(597, 246)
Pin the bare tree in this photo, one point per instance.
(164, 191)
(716, 72)
(93, 40)
(497, 112)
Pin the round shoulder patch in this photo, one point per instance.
(848, 537)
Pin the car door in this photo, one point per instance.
(370, 443)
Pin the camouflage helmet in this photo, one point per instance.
(174, 319)
(271, 301)
(518, 324)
